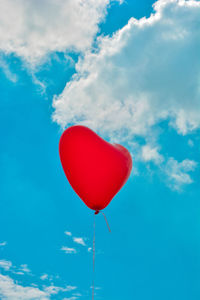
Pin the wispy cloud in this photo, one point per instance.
(44, 277)
(70, 288)
(24, 268)
(178, 172)
(68, 250)
(5, 264)
(79, 240)
(151, 154)
(52, 289)
(8, 266)
(191, 143)
(71, 298)
(2, 244)
(7, 71)
(68, 233)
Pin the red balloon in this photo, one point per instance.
(96, 169)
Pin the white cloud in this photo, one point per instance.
(24, 268)
(68, 233)
(44, 277)
(178, 172)
(190, 143)
(68, 250)
(79, 241)
(8, 73)
(9, 290)
(8, 266)
(5, 264)
(52, 290)
(70, 288)
(3, 244)
(151, 154)
(71, 298)
(12, 290)
(147, 72)
(32, 29)
(77, 294)
(18, 272)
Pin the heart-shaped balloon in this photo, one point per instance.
(95, 168)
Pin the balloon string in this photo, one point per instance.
(93, 260)
(96, 213)
(106, 221)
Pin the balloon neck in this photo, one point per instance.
(97, 212)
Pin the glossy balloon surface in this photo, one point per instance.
(96, 169)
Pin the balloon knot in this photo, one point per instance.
(97, 212)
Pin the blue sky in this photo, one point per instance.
(135, 81)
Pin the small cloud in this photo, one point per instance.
(178, 172)
(3, 244)
(24, 268)
(5, 264)
(68, 233)
(34, 284)
(77, 294)
(52, 290)
(44, 277)
(190, 143)
(70, 288)
(89, 249)
(79, 241)
(71, 298)
(18, 273)
(151, 154)
(8, 73)
(56, 289)
(68, 250)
